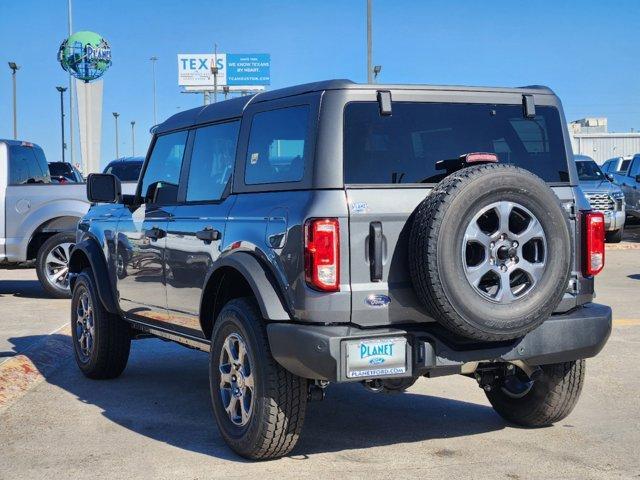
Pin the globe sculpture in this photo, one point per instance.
(85, 55)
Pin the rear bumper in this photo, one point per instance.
(318, 352)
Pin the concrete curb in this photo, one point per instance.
(622, 246)
(21, 373)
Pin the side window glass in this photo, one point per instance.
(43, 166)
(635, 168)
(162, 175)
(276, 152)
(212, 160)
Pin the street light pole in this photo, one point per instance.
(369, 44)
(133, 138)
(71, 88)
(115, 116)
(154, 59)
(14, 68)
(64, 145)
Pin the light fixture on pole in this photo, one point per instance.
(215, 71)
(133, 138)
(14, 68)
(115, 116)
(376, 71)
(64, 145)
(154, 59)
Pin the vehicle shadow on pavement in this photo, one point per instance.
(164, 394)
(22, 289)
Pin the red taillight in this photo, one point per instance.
(594, 243)
(322, 254)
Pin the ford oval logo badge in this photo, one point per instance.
(378, 301)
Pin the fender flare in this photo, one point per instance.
(90, 249)
(264, 289)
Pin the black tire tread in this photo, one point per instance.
(423, 243)
(615, 236)
(113, 336)
(286, 395)
(552, 399)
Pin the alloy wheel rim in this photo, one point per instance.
(57, 265)
(504, 252)
(236, 380)
(85, 325)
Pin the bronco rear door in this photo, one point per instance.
(390, 167)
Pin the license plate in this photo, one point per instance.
(380, 357)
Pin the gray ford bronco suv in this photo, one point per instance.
(337, 232)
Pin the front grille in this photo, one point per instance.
(601, 202)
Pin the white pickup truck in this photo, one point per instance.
(38, 218)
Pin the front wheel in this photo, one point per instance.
(259, 406)
(540, 402)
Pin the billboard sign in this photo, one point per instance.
(234, 69)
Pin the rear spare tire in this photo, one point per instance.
(492, 252)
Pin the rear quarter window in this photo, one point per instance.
(277, 142)
(404, 147)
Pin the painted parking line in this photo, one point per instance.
(24, 371)
(626, 322)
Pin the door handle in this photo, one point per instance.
(208, 234)
(155, 233)
(375, 251)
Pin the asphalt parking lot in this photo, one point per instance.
(155, 420)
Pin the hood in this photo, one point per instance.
(602, 186)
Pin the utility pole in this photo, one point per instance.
(62, 90)
(369, 44)
(214, 70)
(115, 116)
(133, 138)
(154, 59)
(14, 68)
(71, 142)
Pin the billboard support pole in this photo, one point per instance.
(214, 70)
(369, 44)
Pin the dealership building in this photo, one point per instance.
(590, 136)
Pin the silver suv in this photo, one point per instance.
(603, 195)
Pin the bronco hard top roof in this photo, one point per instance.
(233, 108)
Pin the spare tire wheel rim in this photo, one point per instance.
(504, 252)
(236, 380)
(85, 326)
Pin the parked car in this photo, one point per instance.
(628, 178)
(127, 169)
(617, 164)
(603, 195)
(63, 172)
(38, 217)
(336, 232)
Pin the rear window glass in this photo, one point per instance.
(27, 165)
(277, 145)
(125, 171)
(404, 147)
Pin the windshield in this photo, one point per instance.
(125, 171)
(404, 147)
(589, 171)
(61, 170)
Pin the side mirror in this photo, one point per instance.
(103, 188)
(638, 178)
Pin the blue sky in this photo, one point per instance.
(587, 51)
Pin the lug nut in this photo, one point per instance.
(492, 244)
(514, 244)
(492, 261)
(503, 268)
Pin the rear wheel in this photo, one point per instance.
(52, 264)
(540, 402)
(615, 236)
(259, 406)
(101, 340)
